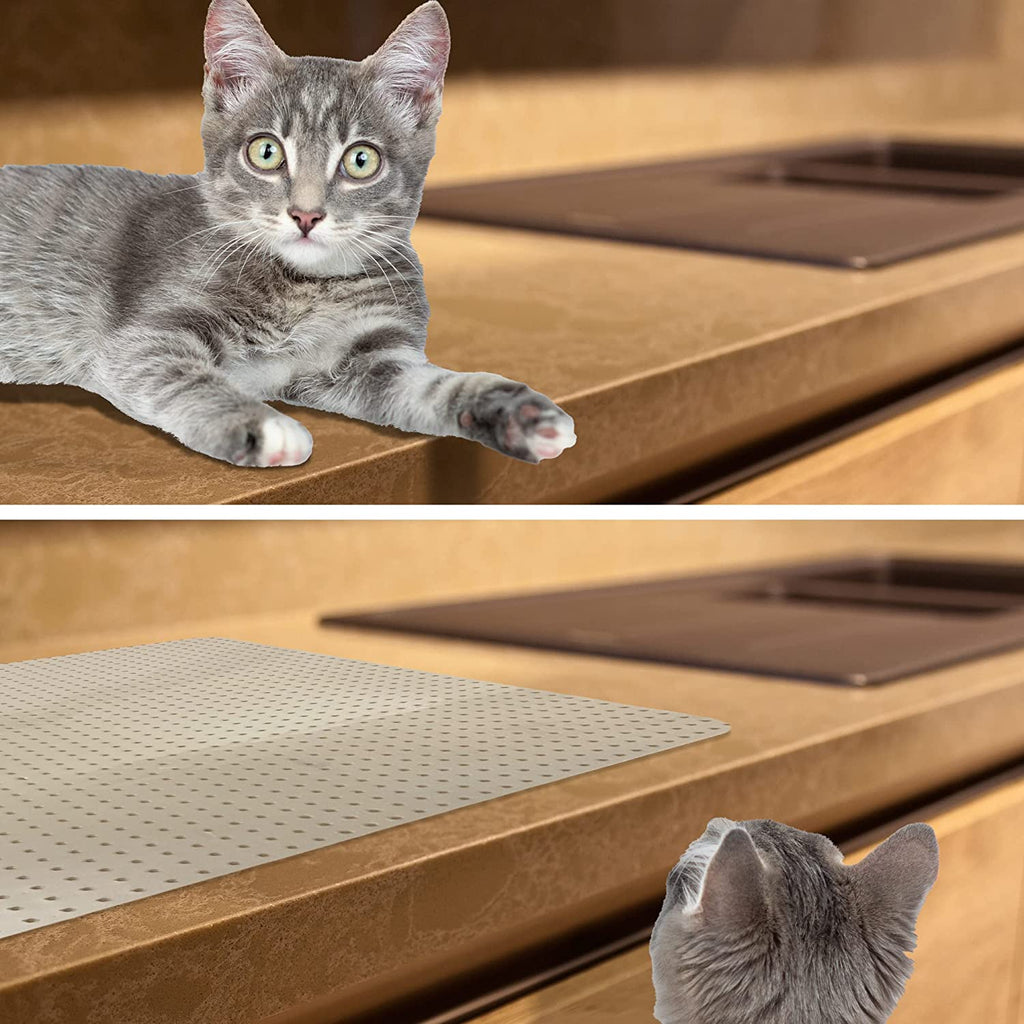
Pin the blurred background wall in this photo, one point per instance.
(103, 577)
(75, 46)
(535, 84)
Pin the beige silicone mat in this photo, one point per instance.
(130, 772)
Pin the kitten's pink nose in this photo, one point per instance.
(306, 219)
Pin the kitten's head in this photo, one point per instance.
(764, 922)
(319, 161)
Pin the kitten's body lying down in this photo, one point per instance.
(764, 923)
(283, 271)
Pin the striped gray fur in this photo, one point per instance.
(762, 922)
(188, 302)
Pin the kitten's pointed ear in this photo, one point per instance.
(240, 55)
(410, 66)
(733, 895)
(893, 880)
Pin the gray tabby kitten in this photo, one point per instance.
(762, 922)
(282, 271)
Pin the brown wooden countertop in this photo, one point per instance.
(665, 357)
(338, 930)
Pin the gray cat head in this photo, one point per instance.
(317, 160)
(765, 923)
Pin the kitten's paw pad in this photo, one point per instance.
(276, 441)
(542, 433)
(519, 422)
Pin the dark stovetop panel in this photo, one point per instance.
(860, 203)
(857, 622)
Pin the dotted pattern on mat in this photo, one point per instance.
(130, 772)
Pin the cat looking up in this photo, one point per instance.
(283, 271)
(762, 922)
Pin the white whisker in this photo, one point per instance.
(228, 250)
(401, 276)
(216, 227)
(260, 246)
(396, 246)
(384, 273)
(189, 188)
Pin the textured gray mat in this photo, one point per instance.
(130, 772)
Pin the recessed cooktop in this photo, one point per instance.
(857, 203)
(857, 621)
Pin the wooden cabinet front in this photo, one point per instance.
(963, 448)
(969, 961)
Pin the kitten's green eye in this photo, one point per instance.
(265, 153)
(361, 161)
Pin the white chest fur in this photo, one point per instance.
(317, 343)
(263, 377)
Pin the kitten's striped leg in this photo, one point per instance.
(173, 382)
(394, 385)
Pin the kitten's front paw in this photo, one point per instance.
(274, 440)
(518, 422)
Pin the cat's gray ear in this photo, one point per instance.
(240, 55)
(410, 66)
(733, 895)
(893, 880)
